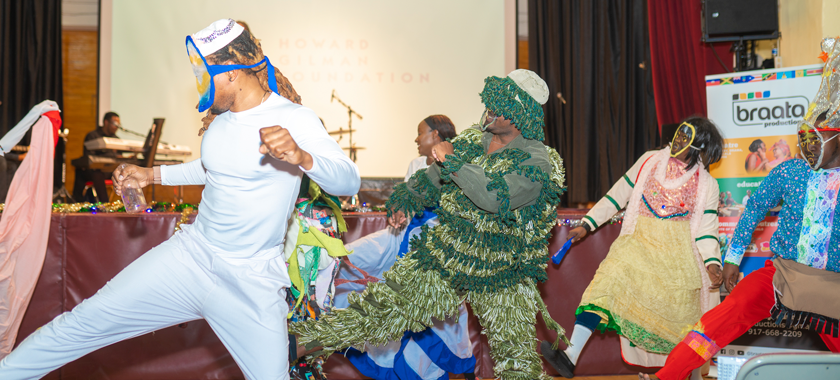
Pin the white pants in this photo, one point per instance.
(183, 279)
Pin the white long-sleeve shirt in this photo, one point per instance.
(249, 196)
(415, 165)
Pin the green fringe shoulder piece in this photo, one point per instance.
(467, 146)
(425, 195)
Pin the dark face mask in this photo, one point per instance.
(683, 139)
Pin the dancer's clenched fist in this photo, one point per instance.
(441, 150)
(277, 142)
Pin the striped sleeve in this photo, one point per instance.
(618, 196)
(707, 235)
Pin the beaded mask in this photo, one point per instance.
(205, 72)
(826, 101)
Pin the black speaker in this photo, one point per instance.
(733, 20)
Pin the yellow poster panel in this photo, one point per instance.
(754, 156)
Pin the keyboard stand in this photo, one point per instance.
(63, 194)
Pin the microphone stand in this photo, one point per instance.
(62, 192)
(350, 113)
(130, 131)
(138, 134)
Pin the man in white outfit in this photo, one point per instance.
(228, 267)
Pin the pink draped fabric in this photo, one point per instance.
(24, 229)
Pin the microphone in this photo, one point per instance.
(120, 127)
(332, 96)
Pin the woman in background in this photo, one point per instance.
(375, 253)
(757, 159)
(781, 153)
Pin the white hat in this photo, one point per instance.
(531, 83)
(216, 36)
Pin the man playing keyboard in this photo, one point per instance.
(110, 124)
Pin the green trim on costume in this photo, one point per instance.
(505, 98)
(706, 237)
(727, 261)
(629, 182)
(646, 340)
(602, 327)
(711, 212)
(497, 182)
(617, 207)
(467, 146)
(636, 334)
(402, 199)
(712, 259)
(589, 218)
(316, 194)
(315, 238)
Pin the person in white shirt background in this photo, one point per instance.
(746, 198)
(228, 267)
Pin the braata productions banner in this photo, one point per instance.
(758, 113)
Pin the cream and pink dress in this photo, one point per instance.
(653, 287)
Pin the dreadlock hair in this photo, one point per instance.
(442, 124)
(708, 139)
(246, 50)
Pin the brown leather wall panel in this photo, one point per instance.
(359, 225)
(47, 299)
(562, 293)
(85, 251)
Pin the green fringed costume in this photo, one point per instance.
(496, 212)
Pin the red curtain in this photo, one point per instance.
(680, 60)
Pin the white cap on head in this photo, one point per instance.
(216, 36)
(531, 83)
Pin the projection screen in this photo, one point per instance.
(394, 62)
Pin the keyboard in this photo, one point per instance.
(136, 146)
